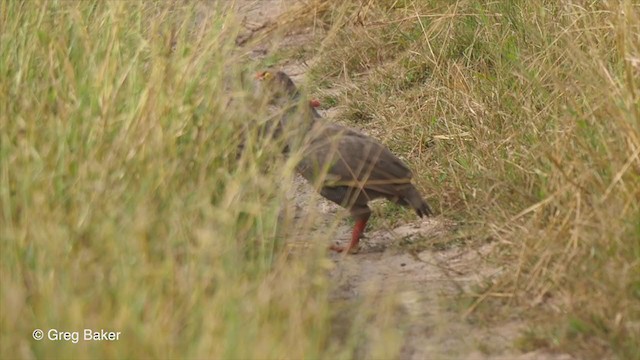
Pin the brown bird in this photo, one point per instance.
(348, 167)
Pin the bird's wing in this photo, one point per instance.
(353, 159)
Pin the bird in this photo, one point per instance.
(347, 167)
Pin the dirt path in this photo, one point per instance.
(425, 283)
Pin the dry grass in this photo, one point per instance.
(123, 204)
(534, 109)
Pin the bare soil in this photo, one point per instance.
(427, 284)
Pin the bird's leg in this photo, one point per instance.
(358, 229)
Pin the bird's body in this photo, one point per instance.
(347, 166)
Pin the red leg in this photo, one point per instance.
(358, 229)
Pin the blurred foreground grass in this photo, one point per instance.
(122, 204)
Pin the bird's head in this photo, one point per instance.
(280, 87)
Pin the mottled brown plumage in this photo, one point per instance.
(348, 167)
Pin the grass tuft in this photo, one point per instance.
(534, 111)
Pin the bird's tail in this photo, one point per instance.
(412, 197)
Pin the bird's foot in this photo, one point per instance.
(343, 249)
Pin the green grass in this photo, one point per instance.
(124, 204)
(534, 109)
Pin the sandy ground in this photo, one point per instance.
(425, 284)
